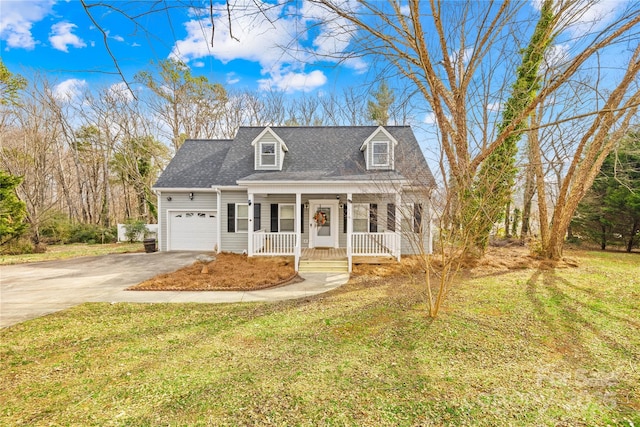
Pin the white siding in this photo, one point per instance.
(205, 201)
(237, 241)
(379, 137)
(268, 137)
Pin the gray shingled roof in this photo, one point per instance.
(315, 154)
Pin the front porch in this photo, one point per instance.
(310, 221)
(363, 248)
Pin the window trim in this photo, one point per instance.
(238, 217)
(293, 207)
(367, 217)
(262, 154)
(373, 153)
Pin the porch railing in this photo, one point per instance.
(375, 244)
(274, 243)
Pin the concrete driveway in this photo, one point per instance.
(32, 290)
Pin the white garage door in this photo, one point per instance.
(192, 231)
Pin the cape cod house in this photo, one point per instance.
(353, 191)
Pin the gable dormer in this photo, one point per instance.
(379, 150)
(269, 151)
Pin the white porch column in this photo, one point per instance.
(219, 219)
(349, 229)
(250, 225)
(398, 226)
(298, 230)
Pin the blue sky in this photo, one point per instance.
(274, 47)
(59, 38)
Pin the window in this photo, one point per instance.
(380, 153)
(267, 154)
(242, 217)
(412, 217)
(287, 214)
(360, 217)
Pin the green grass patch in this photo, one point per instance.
(531, 347)
(74, 250)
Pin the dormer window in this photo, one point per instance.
(378, 150)
(267, 154)
(270, 150)
(380, 153)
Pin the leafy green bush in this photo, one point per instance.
(56, 230)
(18, 247)
(134, 229)
(92, 233)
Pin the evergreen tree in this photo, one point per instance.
(611, 209)
(10, 84)
(379, 107)
(12, 210)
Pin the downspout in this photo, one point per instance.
(160, 219)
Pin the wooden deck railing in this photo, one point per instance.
(375, 244)
(274, 243)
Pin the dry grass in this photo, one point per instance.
(228, 272)
(497, 260)
(74, 250)
(524, 347)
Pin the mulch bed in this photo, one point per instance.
(228, 272)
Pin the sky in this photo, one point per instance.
(60, 38)
(279, 47)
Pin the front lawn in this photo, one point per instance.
(524, 347)
(72, 250)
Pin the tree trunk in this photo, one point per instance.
(634, 230)
(507, 223)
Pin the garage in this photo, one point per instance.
(192, 231)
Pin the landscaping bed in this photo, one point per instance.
(227, 272)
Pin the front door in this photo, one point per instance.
(324, 224)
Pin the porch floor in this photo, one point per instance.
(328, 253)
(341, 253)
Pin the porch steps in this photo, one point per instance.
(323, 266)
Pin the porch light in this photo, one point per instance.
(191, 196)
(169, 199)
(249, 202)
(338, 197)
(306, 205)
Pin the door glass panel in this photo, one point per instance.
(322, 218)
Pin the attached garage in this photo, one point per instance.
(192, 230)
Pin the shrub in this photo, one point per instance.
(134, 229)
(56, 230)
(17, 247)
(92, 233)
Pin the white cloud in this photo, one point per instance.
(292, 81)
(272, 35)
(586, 16)
(465, 54)
(232, 78)
(494, 107)
(17, 19)
(61, 36)
(121, 92)
(430, 118)
(197, 64)
(69, 89)
(116, 37)
(555, 56)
